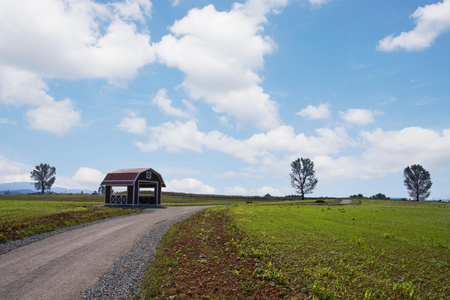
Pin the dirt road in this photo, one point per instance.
(64, 265)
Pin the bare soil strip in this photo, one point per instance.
(64, 265)
(346, 201)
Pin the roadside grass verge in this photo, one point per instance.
(207, 257)
(376, 250)
(26, 215)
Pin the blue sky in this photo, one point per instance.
(222, 97)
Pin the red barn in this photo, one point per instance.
(134, 180)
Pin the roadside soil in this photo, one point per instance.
(346, 201)
(64, 265)
(207, 257)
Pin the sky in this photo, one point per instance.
(220, 97)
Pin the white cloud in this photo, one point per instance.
(431, 21)
(190, 185)
(133, 124)
(13, 171)
(84, 178)
(394, 150)
(165, 104)
(25, 88)
(68, 40)
(236, 191)
(134, 9)
(220, 53)
(359, 116)
(19, 87)
(268, 190)
(178, 136)
(377, 152)
(57, 117)
(174, 137)
(322, 111)
(389, 152)
(284, 139)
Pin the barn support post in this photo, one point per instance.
(108, 194)
(130, 197)
(136, 193)
(158, 194)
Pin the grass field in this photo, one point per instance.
(273, 248)
(26, 215)
(375, 250)
(179, 199)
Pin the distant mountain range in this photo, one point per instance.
(28, 187)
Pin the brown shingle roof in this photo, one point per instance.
(127, 176)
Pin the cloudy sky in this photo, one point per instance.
(221, 96)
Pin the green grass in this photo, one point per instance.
(183, 199)
(376, 250)
(27, 215)
(372, 250)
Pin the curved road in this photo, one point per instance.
(64, 265)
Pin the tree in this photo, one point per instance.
(44, 177)
(302, 176)
(102, 190)
(379, 196)
(418, 182)
(357, 196)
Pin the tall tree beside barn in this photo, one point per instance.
(303, 178)
(44, 177)
(418, 182)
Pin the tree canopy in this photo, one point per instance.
(418, 182)
(44, 177)
(303, 178)
(379, 196)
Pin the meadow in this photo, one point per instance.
(273, 247)
(373, 250)
(27, 215)
(182, 199)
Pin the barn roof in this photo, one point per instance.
(127, 177)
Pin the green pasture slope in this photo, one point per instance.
(375, 250)
(26, 215)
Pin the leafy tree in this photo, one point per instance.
(102, 190)
(379, 196)
(357, 196)
(417, 181)
(44, 177)
(302, 176)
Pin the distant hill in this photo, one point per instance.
(28, 187)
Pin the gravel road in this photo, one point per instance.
(105, 260)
